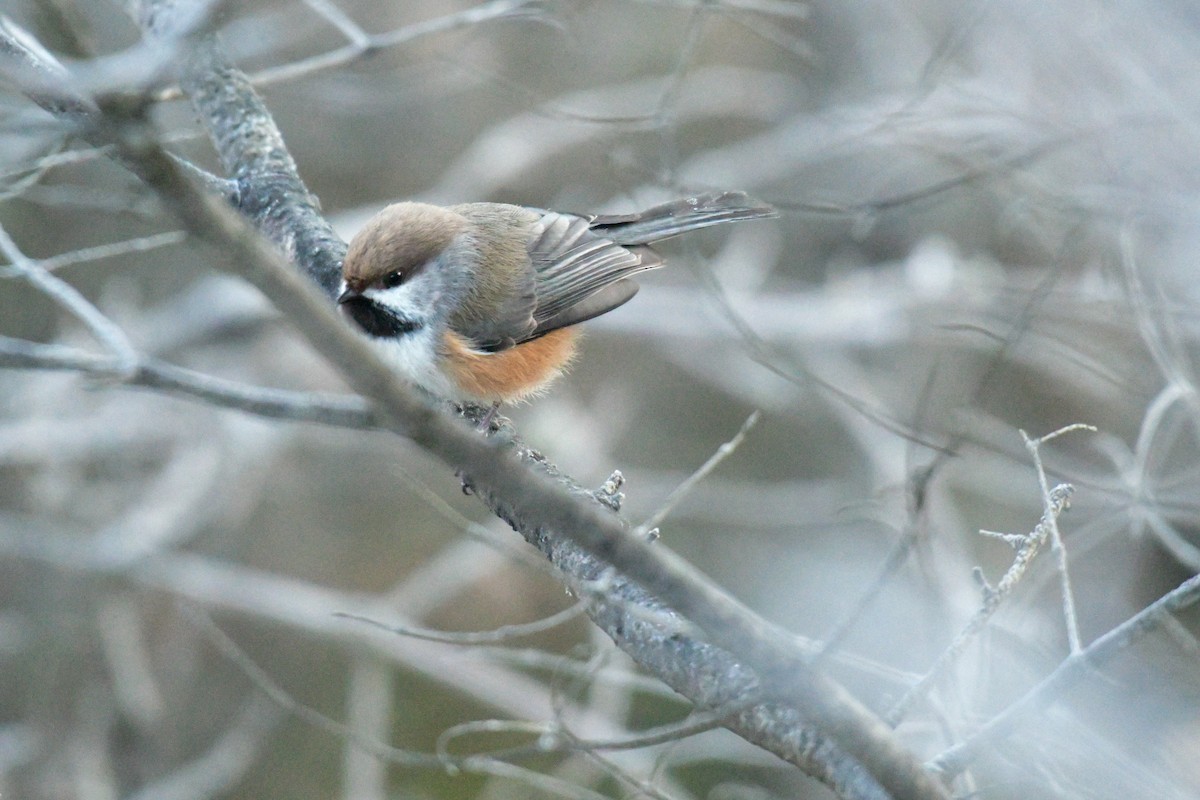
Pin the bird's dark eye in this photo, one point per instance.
(393, 279)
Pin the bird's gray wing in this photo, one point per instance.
(581, 266)
(578, 273)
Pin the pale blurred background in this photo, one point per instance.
(988, 224)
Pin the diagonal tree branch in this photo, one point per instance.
(588, 543)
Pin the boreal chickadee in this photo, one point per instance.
(479, 301)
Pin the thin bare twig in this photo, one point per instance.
(347, 411)
(500, 634)
(362, 44)
(46, 82)
(440, 760)
(553, 736)
(104, 330)
(282, 698)
(222, 765)
(549, 738)
(113, 250)
(340, 20)
(681, 491)
(786, 9)
(546, 783)
(34, 171)
(1072, 670)
(1056, 543)
(761, 353)
(1028, 546)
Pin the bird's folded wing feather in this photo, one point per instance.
(580, 266)
(578, 273)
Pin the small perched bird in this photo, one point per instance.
(479, 301)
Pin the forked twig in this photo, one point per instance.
(1055, 501)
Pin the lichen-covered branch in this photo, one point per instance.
(270, 191)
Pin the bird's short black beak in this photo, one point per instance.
(346, 296)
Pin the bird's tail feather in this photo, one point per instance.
(679, 216)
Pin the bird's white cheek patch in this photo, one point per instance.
(400, 300)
